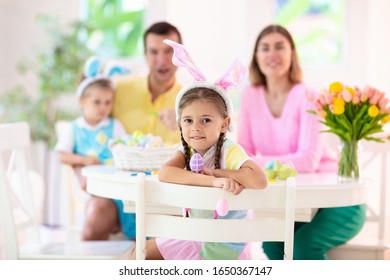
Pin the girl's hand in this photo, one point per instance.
(208, 171)
(228, 185)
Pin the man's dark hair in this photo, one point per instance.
(161, 28)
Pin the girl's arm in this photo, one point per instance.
(250, 175)
(77, 160)
(173, 172)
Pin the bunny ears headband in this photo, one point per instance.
(232, 78)
(92, 73)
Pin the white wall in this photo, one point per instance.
(378, 38)
(215, 32)
(19, 34)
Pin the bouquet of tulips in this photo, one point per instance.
(352, 114)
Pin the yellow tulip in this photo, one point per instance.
(385, 119)
(373, 111)
(351, 91)
(339, 110)
(336, 87)
(338, 106)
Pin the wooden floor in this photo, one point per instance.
(59, 235)
(365, 245)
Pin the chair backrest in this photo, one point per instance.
(17, 209)
(18, 215)
(73, 198)
(267, 225)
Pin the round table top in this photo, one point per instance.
(313, 190)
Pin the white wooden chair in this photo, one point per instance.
(73, 197)
(267, 226)
(18, 212)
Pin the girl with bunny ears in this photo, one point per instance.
(203, 111)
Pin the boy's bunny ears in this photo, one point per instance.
(92, 73)
(232, 78)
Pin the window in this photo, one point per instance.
(317, 27)
(115, 26)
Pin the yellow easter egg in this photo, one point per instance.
(136, 134)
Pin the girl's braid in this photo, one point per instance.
(187, 152)
(217, 157)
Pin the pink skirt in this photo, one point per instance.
(172, 249)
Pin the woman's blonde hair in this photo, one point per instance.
(257, 77)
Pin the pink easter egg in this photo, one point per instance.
(222, 207)
(196, 163)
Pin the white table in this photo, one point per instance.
(313, 190)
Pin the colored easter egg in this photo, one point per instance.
(270, 165)
(142, 141)
(196, 163)
(271, 174)
(222, 207)
(131, 143)
(137, 133)
(284, 167)
(148, 146)
(293, 173)
(276, 165)
(116, 141)
(283, 174)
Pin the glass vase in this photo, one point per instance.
(348, 169)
